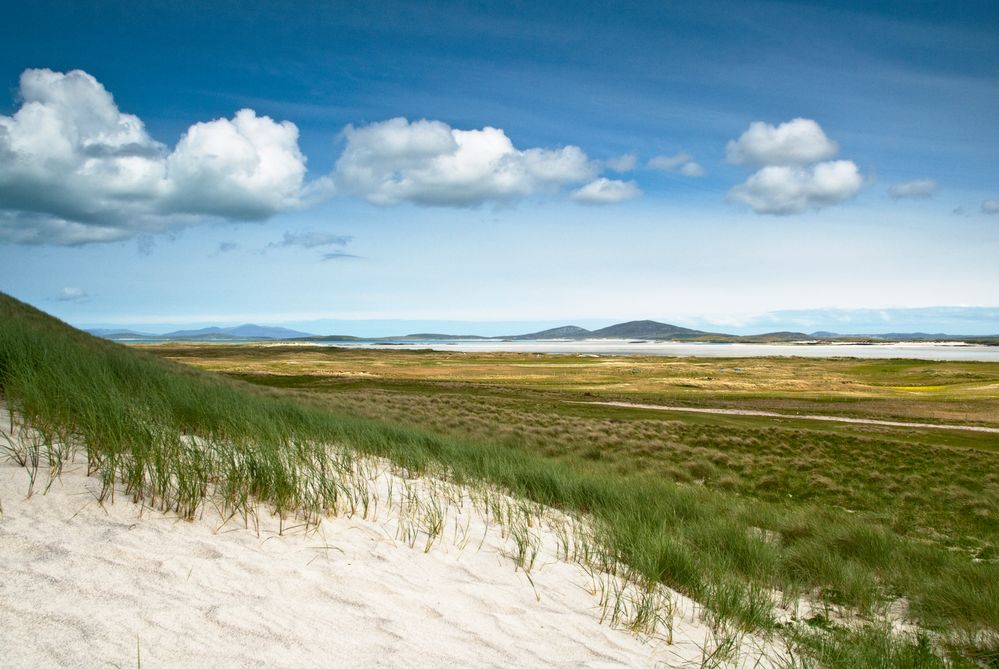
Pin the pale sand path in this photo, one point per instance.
(774, 414)
(82, 585)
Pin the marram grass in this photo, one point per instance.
(174, 437)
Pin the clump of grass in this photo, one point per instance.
(871, 646)
(175, 438)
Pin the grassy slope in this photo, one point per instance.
(130, 410)
(936, 487)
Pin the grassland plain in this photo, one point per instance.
(932, 484)
(136, 415)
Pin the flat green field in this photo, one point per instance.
(940, 486)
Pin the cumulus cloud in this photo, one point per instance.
(795, 175)
(246, 168)
(429, 163)
(606, 191)
(916, 190)
(621, 164)
(790, 189)
(74, 169)
(990, 207)
(800, 141)
(72, 295)
(311, 240)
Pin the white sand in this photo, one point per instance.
(86, 585)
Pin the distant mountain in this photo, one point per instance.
(186, 334)
(119, 334)
(250, 330)
(646, 330)
(630, 330)
(564, 332)
(247, 331)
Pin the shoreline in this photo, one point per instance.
(934, 352)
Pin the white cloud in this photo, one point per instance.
(800, 141)
(682, 163)
(606, 191)
(431, 164)
(623, 163)
(72, 295)
(990, 207)
(74, 169)
(247, 168)
(790, 189)
(795, 176)
(916, 190)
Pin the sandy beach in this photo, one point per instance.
(89, 584)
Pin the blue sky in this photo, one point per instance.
(730, 166)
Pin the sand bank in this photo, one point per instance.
(87, 584)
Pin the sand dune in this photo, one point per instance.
(92, 585)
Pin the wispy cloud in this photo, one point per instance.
(919, 189)
(311, 240)
(681, 163)
(338, 255)
(623, 163)
(71, 294)
(606, 191)
(315, 240)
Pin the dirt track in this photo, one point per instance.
(772, 414)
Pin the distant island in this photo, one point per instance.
(644, 330)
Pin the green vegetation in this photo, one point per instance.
(174, 436)
(930, 485)
(919, 390)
